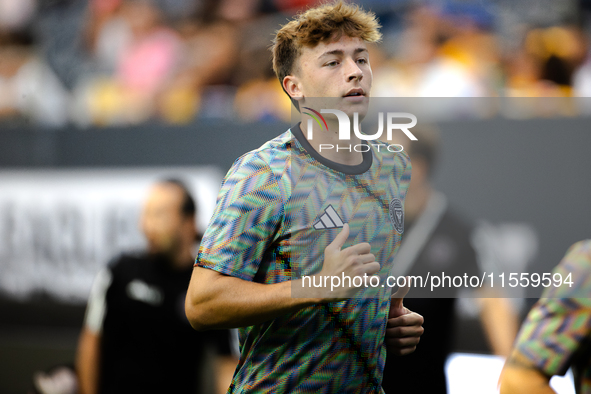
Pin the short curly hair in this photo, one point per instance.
(328, 22)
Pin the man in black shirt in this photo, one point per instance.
(136, 337)
(437, 240)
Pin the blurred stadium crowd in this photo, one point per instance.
(121, 62)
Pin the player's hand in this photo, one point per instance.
(356, 260)
(404, 327)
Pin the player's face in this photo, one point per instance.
(162, 221)
(338, 69)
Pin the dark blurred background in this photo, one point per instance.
(140, 88)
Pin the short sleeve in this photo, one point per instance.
(248, 213)
(97, 302)
(558, 326)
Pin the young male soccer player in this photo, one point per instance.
(287, 210)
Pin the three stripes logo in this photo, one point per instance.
(330, 219)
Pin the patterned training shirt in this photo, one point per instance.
(557, 332)
(278, 208)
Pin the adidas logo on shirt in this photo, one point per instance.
(330, 219)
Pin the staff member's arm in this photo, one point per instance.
(500, 322)
(88, 354)
(87, 361)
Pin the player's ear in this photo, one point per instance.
(291, 84)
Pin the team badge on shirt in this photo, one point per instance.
(397, 215)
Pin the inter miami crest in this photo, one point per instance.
(397, 215)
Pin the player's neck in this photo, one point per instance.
(328, 145)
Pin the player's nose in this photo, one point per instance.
(353, 71)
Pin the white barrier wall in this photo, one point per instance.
(58, 227)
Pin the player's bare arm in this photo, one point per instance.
(215, 300)
(520, 376)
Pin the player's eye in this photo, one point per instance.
(362, 60)
(332, 63)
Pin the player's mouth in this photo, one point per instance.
(355, 94)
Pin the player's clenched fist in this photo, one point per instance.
(356, 260)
